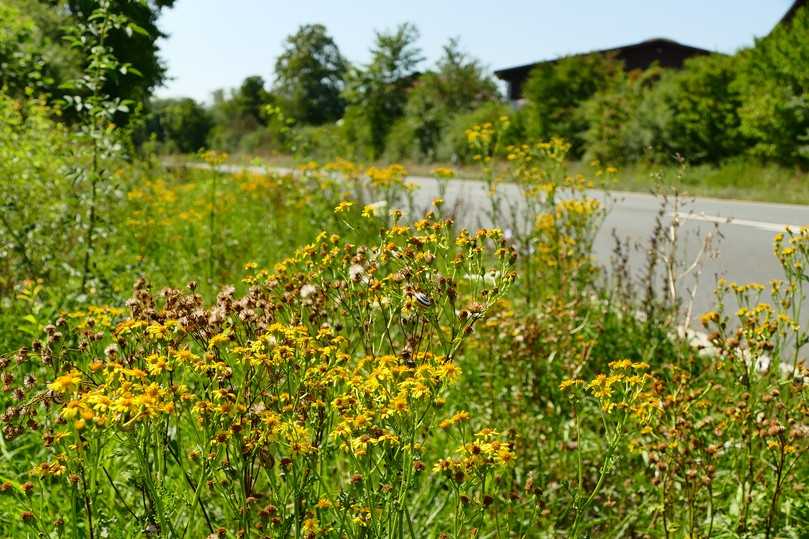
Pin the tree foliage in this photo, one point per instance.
(239, 112)
(23, 53)
(136, 46)
(774, 82)
(35, 51)
(458, 84)
(182, 124)
(309, 76)
(377, 94)
(555, 90)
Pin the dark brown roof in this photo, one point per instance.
(665, 52)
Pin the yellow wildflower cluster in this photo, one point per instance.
(339, 358)
(625, 387)
(484, 452)
(443, 173)
(386, 176)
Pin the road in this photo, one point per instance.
(747, 229)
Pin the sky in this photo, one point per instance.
(215, 44)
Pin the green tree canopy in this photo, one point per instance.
(377, 94)
(239, 112)
(33, 54)
(556, 89)
(182, 124)
(138, 49)
(310, 76)
(458, 84)
(774, 83)
(34, 51)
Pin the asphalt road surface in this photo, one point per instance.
(746, 229)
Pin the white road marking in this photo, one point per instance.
(761, 225)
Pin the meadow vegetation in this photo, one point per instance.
(313, 355)
(186, 352)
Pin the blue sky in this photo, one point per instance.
(217, 43)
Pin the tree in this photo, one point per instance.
(458, 85)
(182, 125)
(239, 113)
(774, 83)
(310, 76)
(555, 90)
(34, 49)
(137, 49)
(32, 56)
(377, 94)
(250, 98)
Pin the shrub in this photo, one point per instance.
(703, 122)
(38, 230)
(615, 133)
(181, 125)
(554, 91)
(455, 148)
(658, 114)
(775, 88)
(321, 142)
(402, 143)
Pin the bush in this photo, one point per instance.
(402, 143)
(776, 120)
(775, 92)
(614, 133)
(454, 146)
(702, 123)
(38, 230)
(658, 114)
(181, 125)
(555, 90)
(323, 142)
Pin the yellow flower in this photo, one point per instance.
(707, 318)
(66, 383)
(444, 173)
(449, 370)
(343, 206)
(375, 209)
(156, 364)
(157, 331)
(568, 383)
(622, 364)
(218, 339)
(504, 455)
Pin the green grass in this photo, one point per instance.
(738, 180)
